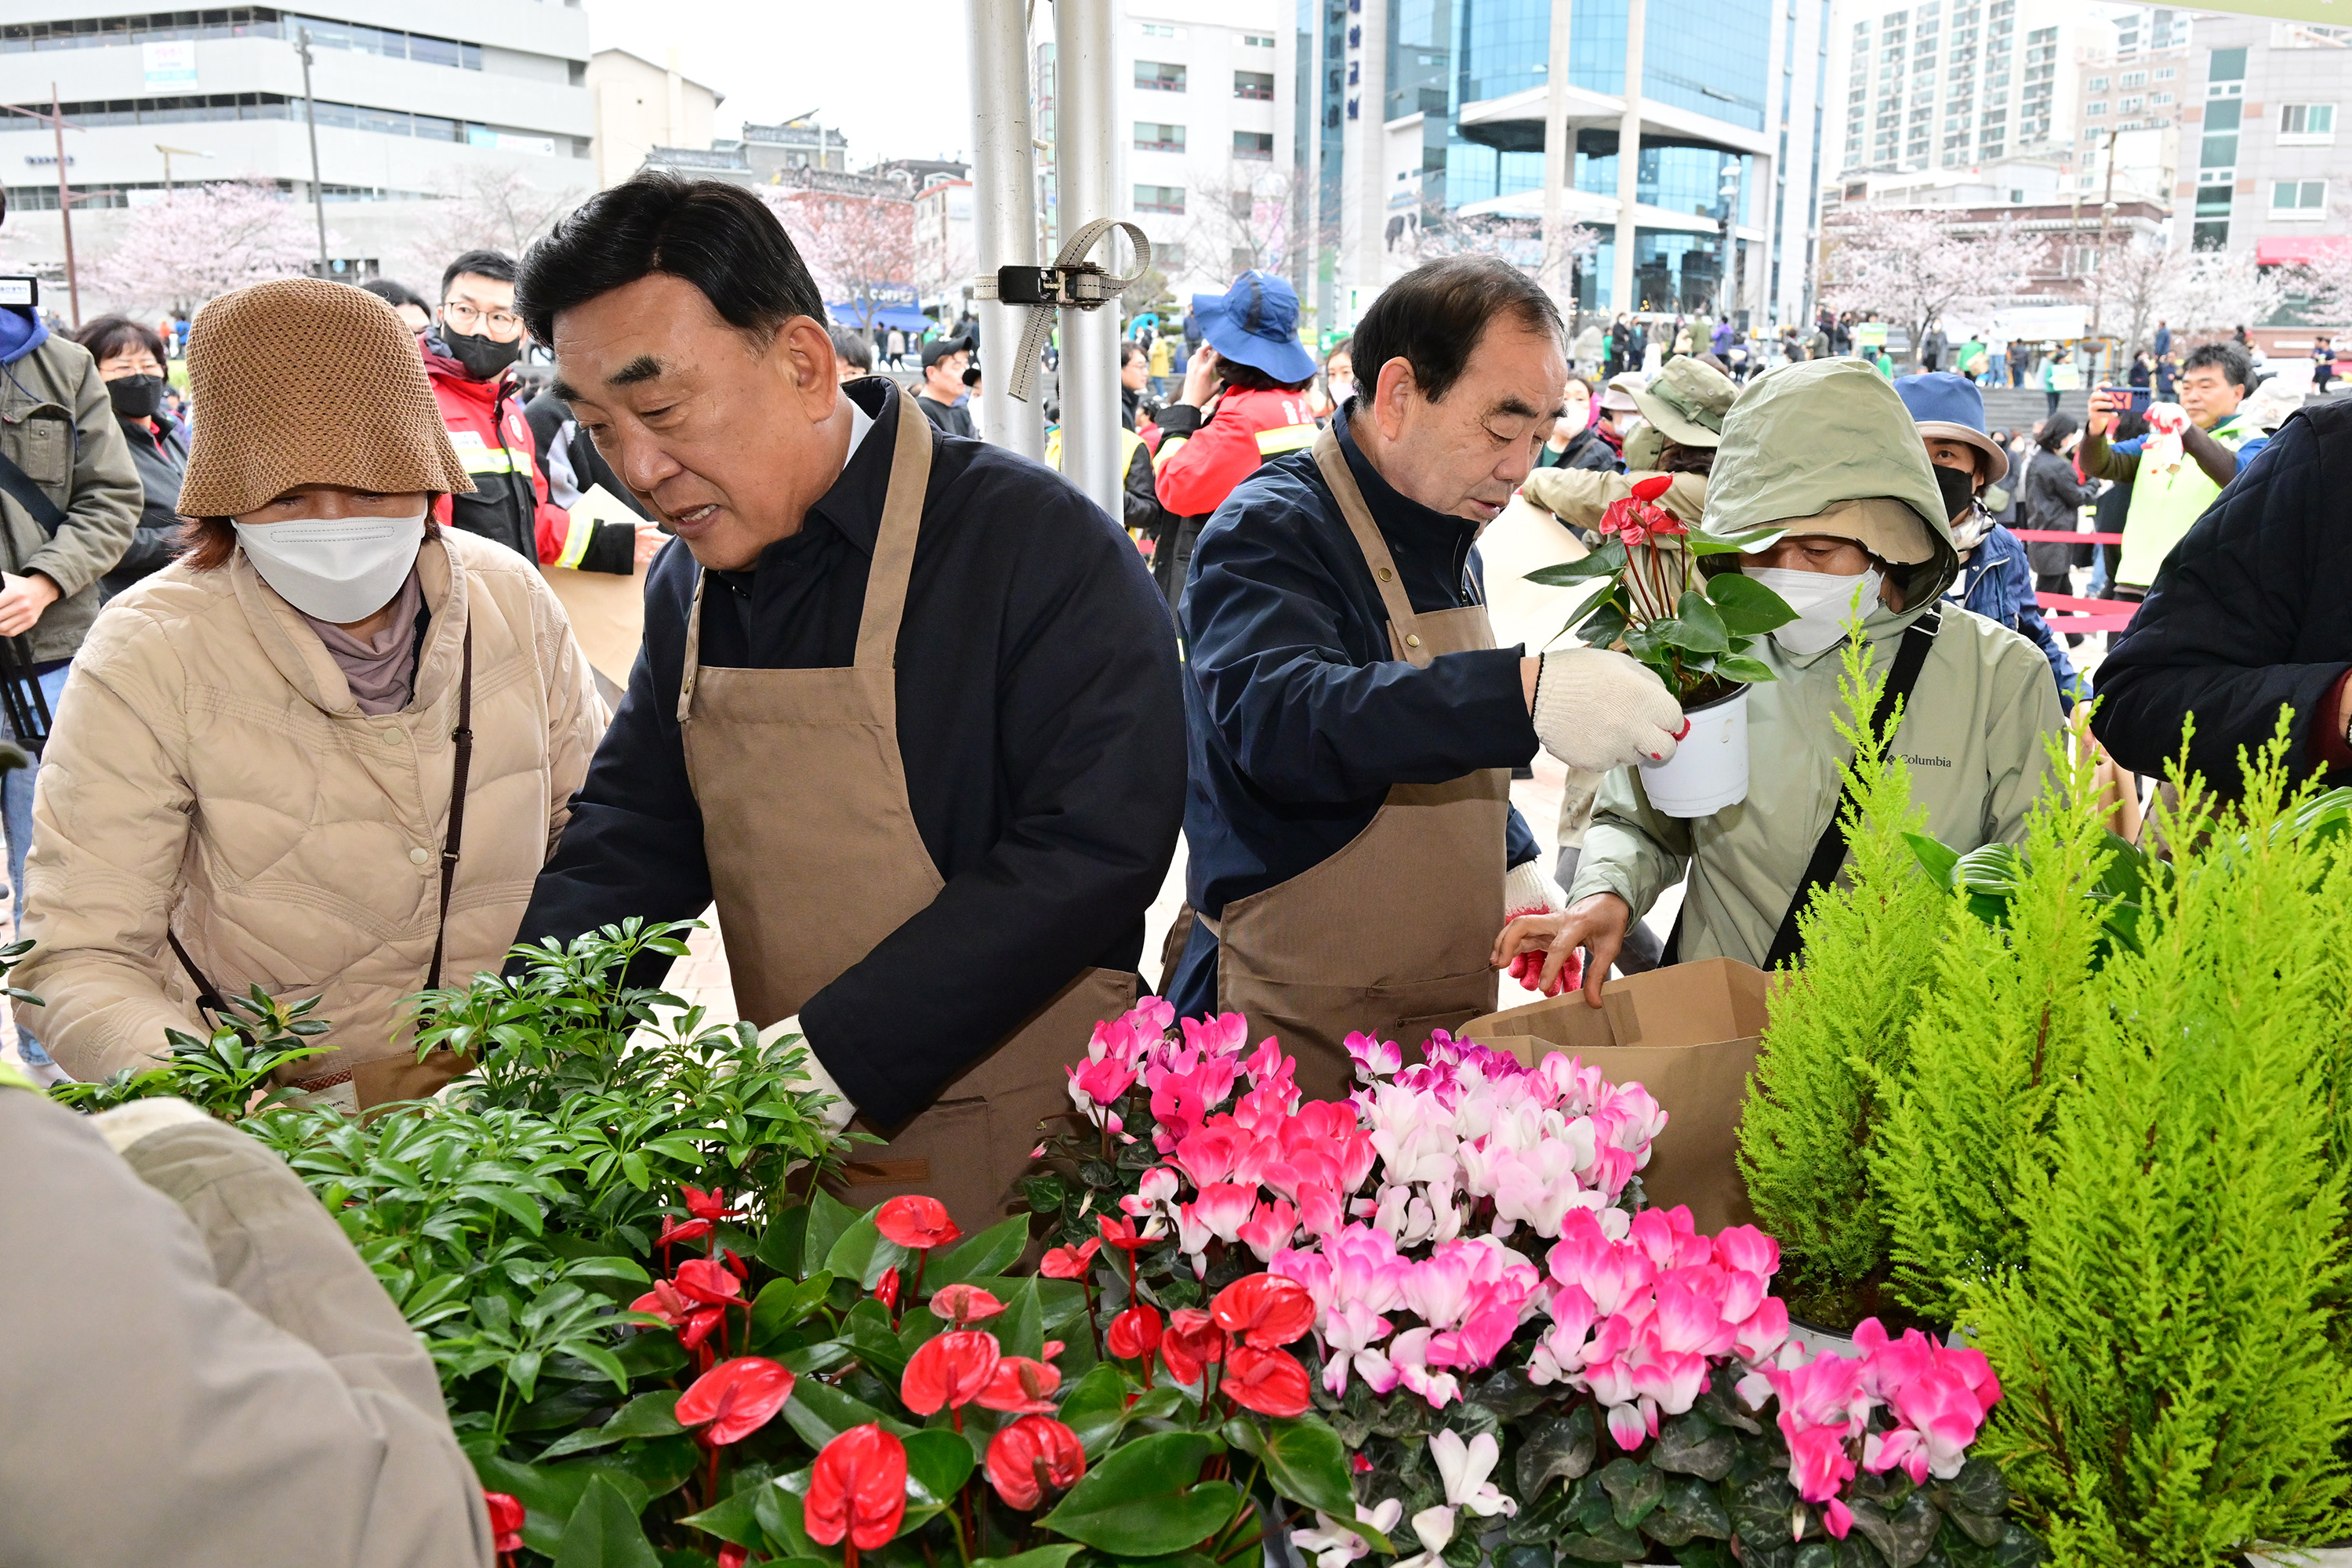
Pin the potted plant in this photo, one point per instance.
(1693, 627)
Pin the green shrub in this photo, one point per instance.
(2171, 1393)
(1839, 1033)
(1999, 1036)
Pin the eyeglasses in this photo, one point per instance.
(465, 318)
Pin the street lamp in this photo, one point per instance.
(311, 116)
(168, 153)
(1727, 300)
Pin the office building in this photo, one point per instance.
(2131, 95)
(641, 107)
(2271, 173)
(1425, 118)
(415, 102)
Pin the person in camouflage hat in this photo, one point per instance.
(1826, 450)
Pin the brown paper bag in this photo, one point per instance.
(608, 610)
(1689, 1036)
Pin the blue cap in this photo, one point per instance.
(1950, 406)
(1255, 322)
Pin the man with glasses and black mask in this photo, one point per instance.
(469, 355)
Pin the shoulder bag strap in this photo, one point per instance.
(21, 489)
(207, 997)
(1829, 855)
(464, 737)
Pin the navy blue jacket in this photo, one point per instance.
(1298, 718)
(1040, 724)
(2252, 612)
(1997, 582)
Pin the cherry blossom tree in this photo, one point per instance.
(2222, 289)
(203, 241)
(1908, 267)
(485, 209)
(861, 248)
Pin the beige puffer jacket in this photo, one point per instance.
(209, 769)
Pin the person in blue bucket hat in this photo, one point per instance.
(1243, 402)
(1995, 580)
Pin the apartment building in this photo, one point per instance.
(1952, 83)
(2263, 103)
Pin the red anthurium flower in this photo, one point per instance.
(701, 1280)
(735, 1265)
(1121, 1234)
(1022, 1384)
(1053, 1348)
(1033, 1455)
(1134, 1333)
(672, 1231)
(506, 1522)
(735, 1399)
(857, 1489)
(1271, 1383)
(1266, 1309)
(962, 1304)
(1654, 486)
(733, 1556)
(711, 1205)
(1070, 1262)
(1192, 1342)
(917, 1222)
(664, 1302)
(950, 1370)
(885, 1290)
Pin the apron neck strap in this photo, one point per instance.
(1342, 480)
(894, 539)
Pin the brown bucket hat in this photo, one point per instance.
(304, 381)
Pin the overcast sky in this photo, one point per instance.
(891, 74)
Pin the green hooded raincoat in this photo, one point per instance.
(1799, 439)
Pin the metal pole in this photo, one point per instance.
(311, 113)
(65, 205)
(1083, 57)
(2106, 213)
(1629, 160)
(1004, 210)
(167, 174)
(1560, 166)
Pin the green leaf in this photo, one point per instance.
(782, 1512)
(1693, 1445)
(991, 1252)
(1021, 1329)
(1142, 1502)
(1688, 1512)
(1096, 1408)
(603, 1533)
(1749, 608)
(1305, 1463)
(646, 1416)
(785, 1301)
(828, 1216)
(733, 1519)
(1937, 858)
(549, 1493)
(1596, 565)
(1560, 1446)
(820, 1413)
(862, 1254)
(937, 1465)
(1902, 1537)
(1703, 627)
(1054, 1556)
(1747, 671)
(518, 1203)
(779, 1244)
(678, 1147)
(1633, 1487)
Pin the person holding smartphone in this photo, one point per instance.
(2192, 450)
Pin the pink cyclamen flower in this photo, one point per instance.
(1374, 1057)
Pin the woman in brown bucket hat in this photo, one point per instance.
(253, 768)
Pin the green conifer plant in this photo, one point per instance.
(1998, 1039)
(2170, 1394)
(1839, 1033)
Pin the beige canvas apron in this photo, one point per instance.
(815, 859)
(1391, 935)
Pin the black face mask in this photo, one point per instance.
(136, 396)
(1959, 487)
(483, 357)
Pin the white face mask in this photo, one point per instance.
(1824, 604)
(1343, 387)
(340, 571)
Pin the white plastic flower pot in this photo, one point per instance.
(1709, 769)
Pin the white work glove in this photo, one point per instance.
(1596, 709)
(836, 1115)
(1527, 890)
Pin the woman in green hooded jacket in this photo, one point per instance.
(1827, 451)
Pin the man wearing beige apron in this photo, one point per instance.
(907, 709)
(1353, 727)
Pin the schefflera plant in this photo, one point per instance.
(1694, 629)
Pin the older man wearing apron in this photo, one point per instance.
(907, 709)
(1352, 726)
